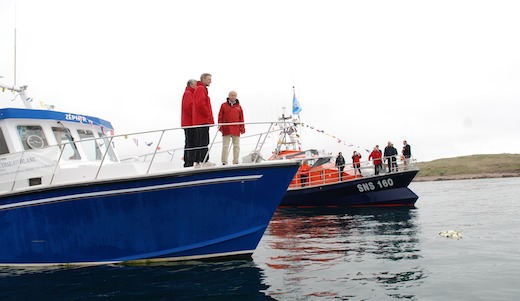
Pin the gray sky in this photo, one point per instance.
(444, 75)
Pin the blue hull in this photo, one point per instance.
(192, 214)
(383, 190)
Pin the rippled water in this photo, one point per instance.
(331, 254)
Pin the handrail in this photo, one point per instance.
(165, 143)
(317, 177)
(97, 153)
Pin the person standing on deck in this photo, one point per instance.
(407, 153)
(390, 153)
(356, 158)
(304, 173)
(202, 115)
(340, 164)
(231, 112)
(187, 120)
(375, 156)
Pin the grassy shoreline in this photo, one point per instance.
(470, 167)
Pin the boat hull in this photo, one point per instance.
(389, 189)
(186, 215)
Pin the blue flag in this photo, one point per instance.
(296, 109)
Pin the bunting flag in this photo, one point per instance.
(136, 141)
(339, 140)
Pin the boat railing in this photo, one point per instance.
(121, 155)
(329, 173)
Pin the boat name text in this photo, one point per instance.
(12, 163)
(370, 186)
(79, 118)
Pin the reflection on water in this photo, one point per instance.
(333, 252)
(229, 280)
(305, 254)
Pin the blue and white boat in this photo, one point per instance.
(67, 197)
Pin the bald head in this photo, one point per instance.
(232, 96)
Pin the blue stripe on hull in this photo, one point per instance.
(161, 217)
(389, 189)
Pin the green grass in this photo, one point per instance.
(475, 164)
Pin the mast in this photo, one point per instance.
(20, 90)
(289, 127)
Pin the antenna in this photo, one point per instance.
(14, 45)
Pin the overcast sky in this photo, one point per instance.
(444, 75)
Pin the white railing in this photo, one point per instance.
(332, 174)
(139, 153)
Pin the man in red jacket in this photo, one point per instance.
(231, 112)
(202, 115)
(187, 120)
(375, 156)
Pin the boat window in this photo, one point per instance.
(66, 141)
(91, 146)
(111, 153)
(3, 144)
(309, 162)
(32, 136)
(321, 161)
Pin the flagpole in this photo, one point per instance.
(296, 105)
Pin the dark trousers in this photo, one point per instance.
(303, 179)
(377, 168)
(189, 140)
(201, 144)
(392, 164)
(340, 168)
(357, 166)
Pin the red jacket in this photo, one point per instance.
(228, 114)
(202, 112)
(376, 155)
(355, 160)
(187, 107)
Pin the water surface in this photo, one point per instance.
(331, 254)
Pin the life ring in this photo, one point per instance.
(34, 141)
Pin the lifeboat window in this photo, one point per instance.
(66, 141)
(32, 136)
(3, 144)
(322, 161)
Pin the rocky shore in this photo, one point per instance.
(418, 178)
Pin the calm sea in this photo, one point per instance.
(332, 254)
